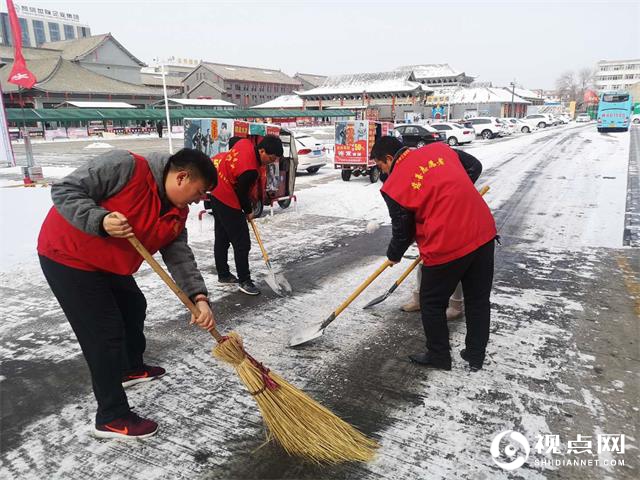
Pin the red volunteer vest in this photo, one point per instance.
(451, 217)
(230, 165)
(139, 201)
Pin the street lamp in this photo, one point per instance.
(163, 73)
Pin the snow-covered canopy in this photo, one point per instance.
(283, 101)
(463, 95)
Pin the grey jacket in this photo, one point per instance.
(78, 195)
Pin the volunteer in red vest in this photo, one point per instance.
(432, 200)
(238, 187)
(88, 263)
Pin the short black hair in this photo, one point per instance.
(196, 163)
(272, 145)
(233, 141)
(384, 146)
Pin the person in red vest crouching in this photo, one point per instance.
(88, 263)
(239, 186)
(432, 200)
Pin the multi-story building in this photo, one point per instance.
(616, 74)
(42, 25)
(243, 86)
(176, 69)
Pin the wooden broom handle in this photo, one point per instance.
(365, 284)
(484, 190)
(170, 283)
(257, 234)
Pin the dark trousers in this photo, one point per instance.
(231, 228)
(106, 312)
(475, 271)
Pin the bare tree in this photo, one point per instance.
(585, 81)
(566, 86)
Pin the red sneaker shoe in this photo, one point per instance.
(145, 374)
(129, 426)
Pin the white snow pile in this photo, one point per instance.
(372, 226)
(94, 145)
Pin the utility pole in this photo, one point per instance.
(513, 91)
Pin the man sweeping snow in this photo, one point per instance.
(432, 200)
(239, 186)
(88, 263)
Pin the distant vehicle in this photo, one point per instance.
(521, 125)
(311, 154)
(614, 111)
(456, 134)
(509, 127)
(543, 120)
(419, 135)
(487, 127)
(583, 117)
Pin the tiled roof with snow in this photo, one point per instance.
(353, 84)
(433, 70)
(478, 95)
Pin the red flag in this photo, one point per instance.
(20, 74)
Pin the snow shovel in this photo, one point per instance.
(307, 334)
(406, 273)
(396, 284)
(276, 281)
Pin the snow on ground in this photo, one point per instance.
(430, 423)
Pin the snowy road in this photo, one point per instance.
(563, 355)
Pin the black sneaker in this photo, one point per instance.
(425, 359)
(228, 279)
(474, 366)
(248, 287)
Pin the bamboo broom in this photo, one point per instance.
(300, 424)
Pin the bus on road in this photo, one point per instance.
(614, 111)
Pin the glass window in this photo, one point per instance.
(69, 32)
(54, 32)
(615, 98)
(38, 31)
(24, 26)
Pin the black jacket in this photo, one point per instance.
(403, 224)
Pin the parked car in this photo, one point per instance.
(583, 117)
(635, 119)
(543, 120)
(487, 127)
(510, 128)
(522, 126)
(456, 134)
(419, 135)
(311, 154)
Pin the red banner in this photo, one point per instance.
(20, 74)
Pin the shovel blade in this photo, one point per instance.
(376, 301)
(306, 334)
(270, 279)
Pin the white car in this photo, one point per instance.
(510, 127)
(543, 120)
(520, 125)
(456, 134)
(635, 119)
(311, 154)
(488, 127)
(583, 117)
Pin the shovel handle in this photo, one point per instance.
(484, 190)
(364, 285)
(170, 283)
(406, 273)
(257, 234)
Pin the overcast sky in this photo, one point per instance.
(533, 42)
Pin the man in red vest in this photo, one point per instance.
(432, 200)
(88, 263)
(239, 186)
